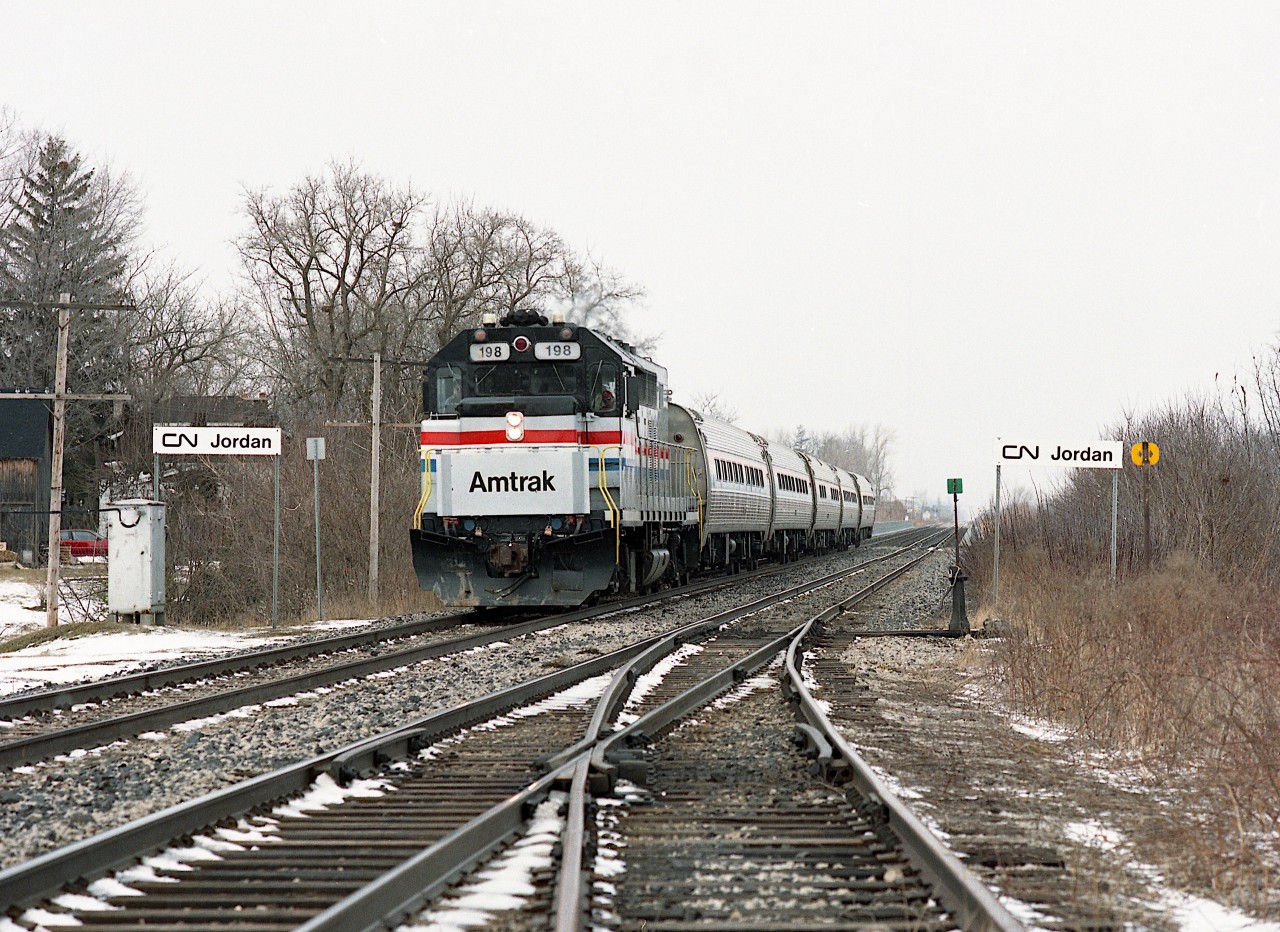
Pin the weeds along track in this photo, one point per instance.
(398, 842)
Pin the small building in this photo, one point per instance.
(26, 445)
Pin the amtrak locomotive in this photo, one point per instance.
(554, 468)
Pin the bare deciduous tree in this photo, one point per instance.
(347, 265)
(329, 262)
(178, 344)
(712, 405)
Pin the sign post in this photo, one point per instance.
(315, 453)
(954, 488)
(1092, 454)
(1145, 453)
(1115, 519)
(959, 617)
(177, 440)
(995, 568)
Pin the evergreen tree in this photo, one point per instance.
(66, 233)
(62, 236)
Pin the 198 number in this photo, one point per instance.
(490, 352)
(557, 351)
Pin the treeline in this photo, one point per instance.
(341, 264)
(336, 267)
(1212, 497)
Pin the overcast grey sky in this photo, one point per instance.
(959, 220)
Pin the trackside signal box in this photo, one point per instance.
(135, 562)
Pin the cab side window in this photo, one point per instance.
(448, 390)
(604, 388)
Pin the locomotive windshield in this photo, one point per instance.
(522, 379)
(592, 383)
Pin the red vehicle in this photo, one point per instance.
(84, 544)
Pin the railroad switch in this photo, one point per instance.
(959, 617)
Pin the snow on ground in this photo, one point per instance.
(19, 608)
(1190, 913)
(72, 660)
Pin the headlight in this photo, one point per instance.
(515, 425)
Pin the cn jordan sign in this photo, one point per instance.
(1088, 454)
(215, 441)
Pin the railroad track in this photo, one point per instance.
(424, 829)
(38, 726)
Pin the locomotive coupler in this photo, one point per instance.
(513, 556)
(959, 617)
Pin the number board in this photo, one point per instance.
(557, 351)
(490, 352)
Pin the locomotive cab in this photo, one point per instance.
(541, 470)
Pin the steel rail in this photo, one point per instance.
(400, 891)
(583, 765)
(103, 732)
(43, 876)
(961, 892)
(363, 757)
(604, 766)
(44, 700)
(125, 684)
(407, 887)
(570, 901)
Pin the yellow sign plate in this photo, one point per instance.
(1145, 454)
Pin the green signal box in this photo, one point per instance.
(955, 486)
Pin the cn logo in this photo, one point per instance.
(176, 441)
(1011, 451)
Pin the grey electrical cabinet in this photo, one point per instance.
(135, 562)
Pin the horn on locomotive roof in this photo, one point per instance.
(523, 318)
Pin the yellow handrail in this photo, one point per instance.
(601, 480)
(424, 455)
(691, 474)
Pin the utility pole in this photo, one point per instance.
(375, 465)
(374, 477)
(59, 443)
(60, 398)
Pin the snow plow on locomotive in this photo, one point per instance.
(554, 467)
